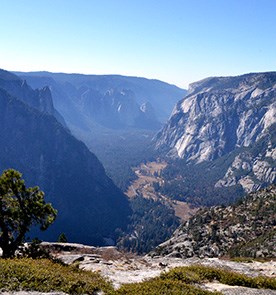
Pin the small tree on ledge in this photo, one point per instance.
(62, 238)
(20, 208)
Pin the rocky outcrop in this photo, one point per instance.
(223, 116)
(121, 267)
(250, 172)
(244, 229)
(40, 99)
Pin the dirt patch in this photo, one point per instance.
(183, 210)
(148, 174)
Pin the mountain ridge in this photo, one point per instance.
(161, 95)
(223, 116)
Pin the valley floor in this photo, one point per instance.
(149, 173)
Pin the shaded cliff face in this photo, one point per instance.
(90, 207)
(227, 115)
(40, 99)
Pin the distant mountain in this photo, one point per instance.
(244, 229)
(90, 207)
(115, 116)
(39, 98)
(226, 121)
(89, 102)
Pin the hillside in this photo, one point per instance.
(246, 228)
(219, 115)
(73, 179)
(223, 132)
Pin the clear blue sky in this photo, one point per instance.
(177, 41)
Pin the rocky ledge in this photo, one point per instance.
(121, 268)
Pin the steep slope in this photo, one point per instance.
(244, 229)
(233, 117)
(90, 207)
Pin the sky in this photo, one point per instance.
(176, 41)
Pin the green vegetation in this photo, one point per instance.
(122, 151)
(196, 183)
(160, 286)
(20, 209)
(34, 250)
(250, 248)
(44, 275)
(245, 229)
(249, 259)
(199, 274)
(62, 238)
(182, 280)
(152, 222)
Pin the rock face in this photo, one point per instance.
(250, 172)
(244, 229)
(225, 115)
(90, 207)
(39, 99)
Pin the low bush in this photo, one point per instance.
(200, 273)
(160, 286)
(44, 275)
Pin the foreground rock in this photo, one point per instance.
(237, 290)
(30, 293)
(123, 268)
(62, 166)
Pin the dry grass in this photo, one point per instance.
(44, 275)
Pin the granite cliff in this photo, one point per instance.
(230, 117)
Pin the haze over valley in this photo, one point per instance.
(137, 137)
(228, 143)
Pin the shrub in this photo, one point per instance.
(200, 273)
(160, 286)
(44, 275)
